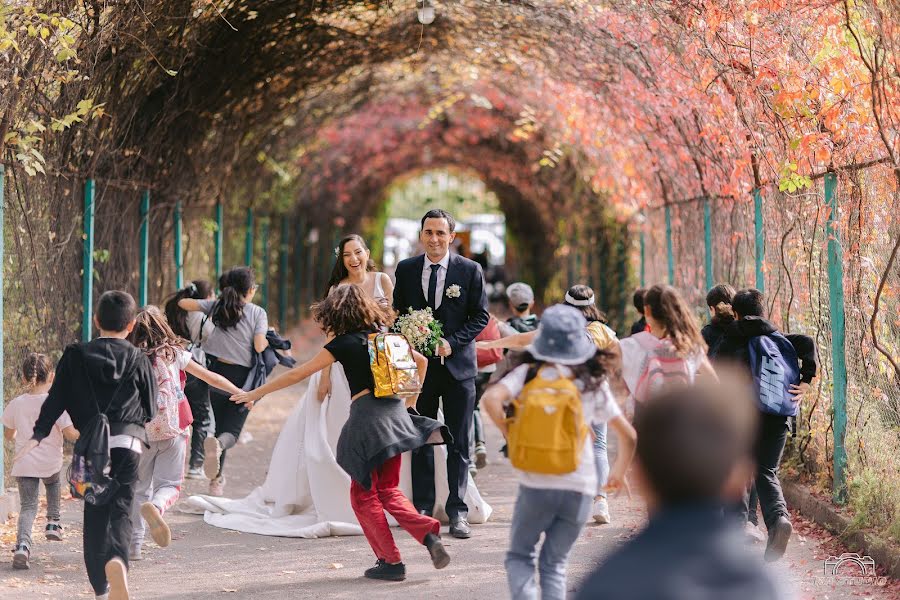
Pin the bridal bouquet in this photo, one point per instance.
(421, 329)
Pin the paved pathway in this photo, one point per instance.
(206, 562)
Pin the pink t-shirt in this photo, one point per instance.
(21, 414)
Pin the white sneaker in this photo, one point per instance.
(195, 473)
(601, 511)
(212, 450)
(480, 456)
(754, 534)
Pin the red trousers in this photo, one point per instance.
(369, 506)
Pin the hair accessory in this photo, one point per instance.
(337, 251)
(192, 288)
(577, 302)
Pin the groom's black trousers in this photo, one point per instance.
(458, 405)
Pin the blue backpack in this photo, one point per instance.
(775, 368)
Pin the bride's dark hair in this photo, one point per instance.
(339, 272)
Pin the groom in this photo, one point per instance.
(453, 287)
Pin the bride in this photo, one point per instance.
(306, 494)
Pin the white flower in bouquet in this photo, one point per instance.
(421, 329)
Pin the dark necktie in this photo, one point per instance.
(432, 286)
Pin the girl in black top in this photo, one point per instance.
(377, 431)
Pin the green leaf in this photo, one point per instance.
(83, 107)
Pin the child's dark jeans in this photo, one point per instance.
(107, 528)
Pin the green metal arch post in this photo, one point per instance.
(283, 274)
(643, 258)
(299, 262)
(87, 266)
(760, 237)
(220, 227)
(179, 258)
(707, 243)
(144, 247)
(248, 246)
(670, 255)
(838, 356)
(264, 235)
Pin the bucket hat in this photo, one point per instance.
(562, 337)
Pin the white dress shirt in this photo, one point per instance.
(441, 278)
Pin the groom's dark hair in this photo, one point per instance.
(439, 213)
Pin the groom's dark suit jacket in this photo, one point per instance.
(463, 318)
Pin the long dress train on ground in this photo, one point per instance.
(306, 494)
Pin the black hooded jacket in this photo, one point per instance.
(101, 364)
(714, 332)
(734, 345)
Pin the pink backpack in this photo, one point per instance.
(661, 366)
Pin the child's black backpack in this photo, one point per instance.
(88, 473)
(524, 324)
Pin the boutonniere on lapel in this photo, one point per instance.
(453, 291)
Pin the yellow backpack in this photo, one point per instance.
(547, 429)
(393, 366)
(603, 336)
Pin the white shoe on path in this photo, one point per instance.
(601, 511)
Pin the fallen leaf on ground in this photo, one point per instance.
(335, 566)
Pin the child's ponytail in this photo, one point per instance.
(199, 289)
(235, 284)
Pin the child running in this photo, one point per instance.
(376, 433)
(672, 351)
(111, 375)
(693, 457)
(41, 464)
(161, 467)
(562, 361)
(195, 327)
(582, 298)
(240, 331)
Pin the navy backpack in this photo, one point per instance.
(775, 368)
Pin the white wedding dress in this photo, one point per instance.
(306, 493)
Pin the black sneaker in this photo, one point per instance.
(386, 571)
(779, 535)
(20, 557)
(439, 556)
